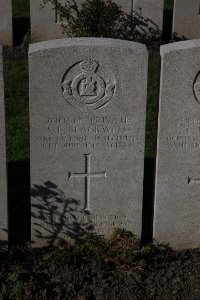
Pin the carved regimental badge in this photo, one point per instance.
(85, 87)
(197, 87)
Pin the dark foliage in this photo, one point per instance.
(104, 18)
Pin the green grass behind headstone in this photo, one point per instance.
(17, 116)
(20, 8)
(152, 106)
(169, 4)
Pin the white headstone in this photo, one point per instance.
(45, 23)
(177, 189)
(87, 122)
(186, 19)
(152, 10)
(6, 22)
(3, 181)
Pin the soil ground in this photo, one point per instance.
(159, 274)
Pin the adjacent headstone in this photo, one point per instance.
(87, 122)
(177, 189)
(6, 22)
(3, 182)
(45, 23)
(186, 19)
(151, 10)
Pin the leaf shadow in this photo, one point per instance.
(56, 217)
(135, 26)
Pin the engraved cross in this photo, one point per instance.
(87, 175)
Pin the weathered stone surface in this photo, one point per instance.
(152, 10)
(186, 19)
(177, 190)
(45, 23)
(87, 118)
(6, 22)
(3, 181)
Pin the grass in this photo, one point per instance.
(122, 248)
(91, 257)
(20, 8)
(169, 4)
(13, 287)
(16, 102)
(152, 106)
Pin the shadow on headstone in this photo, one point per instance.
(177, 38)
(136, 27)
(50, 220)
(3, 245)
(55, 217)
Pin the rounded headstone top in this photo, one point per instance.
(88, 42)
(179, 46)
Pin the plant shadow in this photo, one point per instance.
(136, 27)
(56, 218)
(177, 38)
